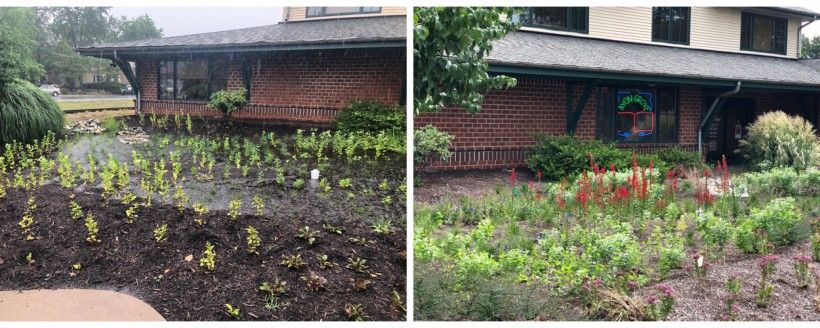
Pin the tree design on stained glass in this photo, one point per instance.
(635, 115)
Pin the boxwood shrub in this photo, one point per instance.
(371, 116)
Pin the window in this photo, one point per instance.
(191, 79)
(337, 11)
(572, 19)
(763, 33)
(670, 24)
(645, 115)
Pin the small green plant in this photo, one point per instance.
(232, 311)
(228, 101)
(734, 286)
(293, 261)
(308, 235)
(384, 185)
(189, 124)
(314, 281)
(801, 270)
(258, 205)
(29, 258)
(91, 227)
(383, 227)
(661, 311)
(208, 259)
(272, 291)
(324, 261)
(333, 229)
(324, 185)
(355, 312)
(763, 293)
(345, 183)
(298, 183)
(76, 266)
(28, 218)
(387, 200)
(181, 200)
(253, 240)
(361, 241)
(200, 211)
(815, 247)
(161, 233)
(233, 208)
(430, 143)
(357, 264)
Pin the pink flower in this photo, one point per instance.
(667, 290)
(802, 258)
(651, 299)
(767, 260)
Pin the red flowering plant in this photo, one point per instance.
(763, 292)
(660, 311)
(703, 196)
(801, 270)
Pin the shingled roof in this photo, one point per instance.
(558, 52)
(347, 31)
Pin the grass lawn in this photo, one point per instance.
(73, 106)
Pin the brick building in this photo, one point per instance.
(656, 77)
(300, 70)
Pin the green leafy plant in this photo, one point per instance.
(200, 211)
(208, 259)
(228, 102)
(253, 240)
(272, 291)
(293, 261)
(429, 143)
(308, 235)
(357, 264)
(370, 116)
(324, 261)
(324, 185)
(258, 205)
(29, 258)
(28, 218)
(383, 227)
(345, 183)
(333, 228)
(815, 247)
(449, 64)
(355, 312)
(801, 270)
(91, 227)
(734, 286)
(161, 233)
(233, 311)
(26, 113)
(298, 183)
(233, 208)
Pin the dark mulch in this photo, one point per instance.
(130, 261)
(706, 300)
(449, 185)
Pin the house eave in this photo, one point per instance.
(638, 77)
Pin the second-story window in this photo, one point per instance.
(338, 11)
(763, 33)
(572, 19)
(670, 24)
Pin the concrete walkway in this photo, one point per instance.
(73, 305)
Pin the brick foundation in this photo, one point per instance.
(498, 136)
(297, 86)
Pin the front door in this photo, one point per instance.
(738, 114)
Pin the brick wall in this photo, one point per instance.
(498, 135)
(303, 86)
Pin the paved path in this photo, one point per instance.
(73, 305)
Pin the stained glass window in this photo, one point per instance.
(635, 115)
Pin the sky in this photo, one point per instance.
(191, 20)
(814, 28)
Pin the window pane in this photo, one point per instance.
(166, 80)
(670, 24)
(192, 80)
(549, 17)
(667, 114)
(341, 10)
(635, 116)
(314, 11)
(371, 9)
(218, 75)
(763, 34)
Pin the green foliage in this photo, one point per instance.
(233, 311)
(670, 258)
(137, 28)
(91, 227)
(208, 259)
(111, 125)
(677, 156)
(810, 48)
(253, 240)
(557, 157)
(449, 47)
(716, 231)
(371, 117)
(26, 113)
(780, 219)
(161, 233)
(784, 181)
(777, 139)
(18, 33)
(815, 247)
(428, 142)
(228, 101)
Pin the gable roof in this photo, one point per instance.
(386, 30)
(557, 52)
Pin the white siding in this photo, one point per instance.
(711, 28)
(298, 13)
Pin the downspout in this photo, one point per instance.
(800, 36)
(709, 114)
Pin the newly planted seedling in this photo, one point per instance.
(308, 235)
(324, 261)
(160, 233)
(200, 211)
(298, 183)
(233, 311)
(345, 183)
(258, 205)
(91, 227)
(293, 261)
(314, 281)
(333, 229)
(208, 259)
(355, 312)
(28, 218)
(357, 264)
(253, 240)
(233, 208)
(383, 227)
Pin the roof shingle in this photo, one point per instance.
(532, 49)
(329, 31)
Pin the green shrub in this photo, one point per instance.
(429, 142)
(111, 125)
(677, 156)
(670, 258)
(716, 231)
(371, 116)
(557, 157)
(780, 219)
(26, 113)
(228, 101)
(777, 139)
(619, 250)
(784, 181)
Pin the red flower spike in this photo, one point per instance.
(512, 178)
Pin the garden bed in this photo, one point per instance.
(357, 224)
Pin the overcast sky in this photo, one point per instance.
(190, 20)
